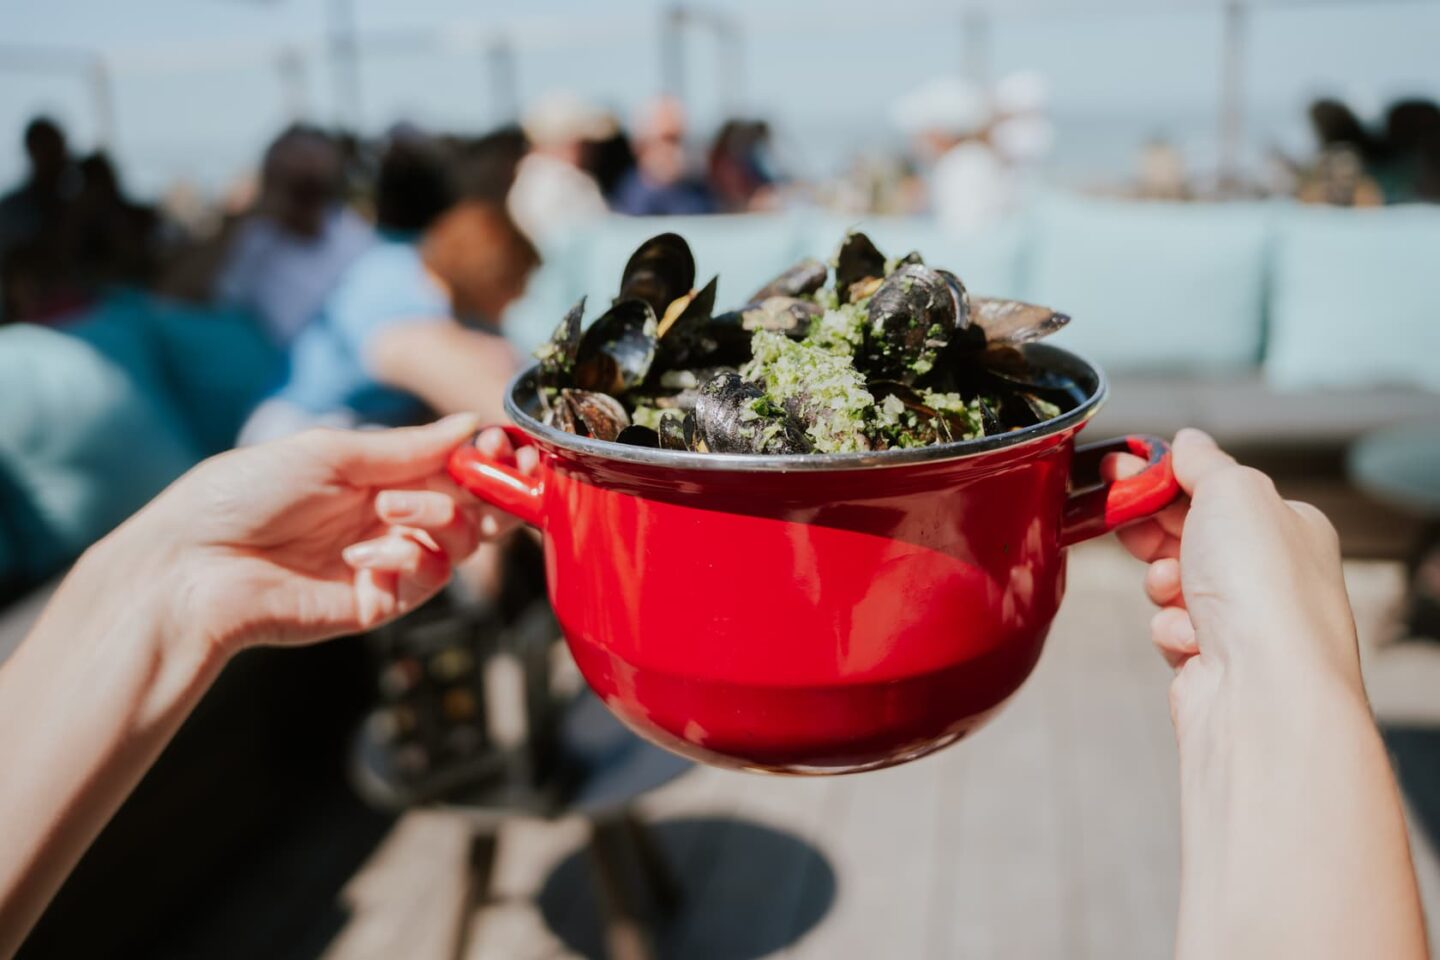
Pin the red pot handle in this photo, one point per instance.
(495, 483)
(1097, 507)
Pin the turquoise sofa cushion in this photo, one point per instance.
(1153, 287)
(84, 442)
(988, 264)
(1356, 299)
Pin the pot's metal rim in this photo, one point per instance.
(821, 462)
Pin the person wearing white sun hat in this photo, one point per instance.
(551, 190)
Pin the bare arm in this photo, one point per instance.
(278, 544)
(1293, 837)
(452, 369)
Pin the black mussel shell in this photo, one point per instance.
(1006, 370)
(660, 270)
(616, 352)
(638, 436)
(804, 278)
(727, 420)
(857, 261)
(691, 433)
(591, 414)
(685, 338)
(672, 433)
(912, 318)
(1012, 322)
(557, 355)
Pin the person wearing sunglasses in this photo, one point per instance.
(1293, 840)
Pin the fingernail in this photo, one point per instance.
(359, 554)
(397, 504)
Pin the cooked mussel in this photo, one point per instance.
(734, 416)
(912, 316)
(858, 266)
(660, 270)
(616, 352)
(638, 436)
(802, 279)
(557, 355)
(589, 414)
(1011, 321)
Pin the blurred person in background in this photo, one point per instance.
(739, 168)
(970, 186)
(1340, 175)
(552, 190)
(1412, 146)
(1161, 173)
(388, 344)
(1022, 133)
(662, 183)
(288, 254)
(40, 202)
(115, 240)
(489, 163)
(610, 158)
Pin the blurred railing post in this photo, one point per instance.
(103, 94)
(290, 63)
(345, 64)
(500, 61)
(975, 44)
(672, 51)
(1232, 97)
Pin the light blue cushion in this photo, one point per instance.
(82, 440)
(1356, 299)
(1153, 286)
(217, 366)
(988, 264)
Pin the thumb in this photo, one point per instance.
(1194, 455)
(380, 457)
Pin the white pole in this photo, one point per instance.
(1232, 96)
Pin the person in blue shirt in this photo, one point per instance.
(404, 331)
(660, 183)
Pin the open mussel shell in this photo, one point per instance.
(589, 414)
(1006, 370)
(802, 279)
(638, 436)
(911, 319)
(671, 433)
(616, 352)
(684, 335)
(659, 271)
(932, 425)
(727, 420)
(1012, 322)
(788, 315)
(557, 355)
(857, 263)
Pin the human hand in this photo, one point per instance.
(1247, 583)
(322, 534)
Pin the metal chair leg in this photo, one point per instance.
(627, 935)
(665, 888)
(480, 859)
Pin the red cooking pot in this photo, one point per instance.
(814, 613)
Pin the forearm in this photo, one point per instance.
(1293, 837)
(87, 702)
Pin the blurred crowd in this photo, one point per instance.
(280, 244)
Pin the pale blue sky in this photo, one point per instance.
(196, 92)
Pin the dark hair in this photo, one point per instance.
(486, 164)
(40, 129)
(1411, 123)
(1336, 124)
(415, 185)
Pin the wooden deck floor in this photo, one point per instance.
(1053, 833)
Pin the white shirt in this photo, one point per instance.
(971, 188)
(549, 194)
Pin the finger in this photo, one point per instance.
(1195, 455)
(388, 457)
(414, 588)
(1172, 518)
(1148, 541)
(527, 459)
(1162, 583)
(446, 525)
(374, 597)
(1118, 466)
(417, 508)
(495, 444)
(1174, 635)
(394, 553)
